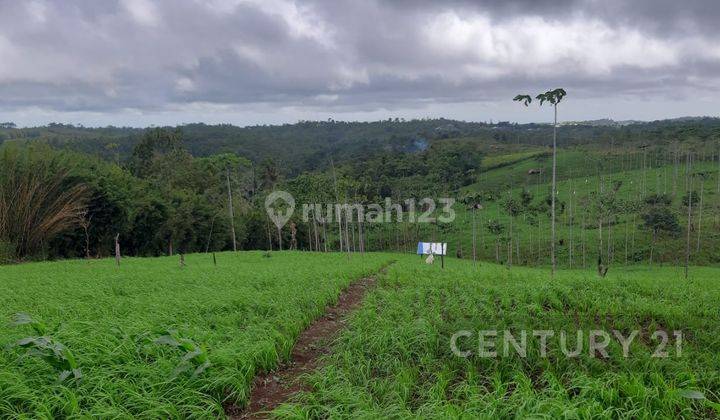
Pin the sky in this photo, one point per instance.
(245, 62)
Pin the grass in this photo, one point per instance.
(498, 161)
(141, 334)
(395, 361)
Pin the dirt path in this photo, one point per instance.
(274, 388)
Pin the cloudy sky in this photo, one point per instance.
(142, 62)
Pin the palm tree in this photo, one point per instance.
(553, 97)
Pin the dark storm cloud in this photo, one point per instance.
(349, 55)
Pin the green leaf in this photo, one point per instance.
(167, 340)
(21, 318)
(200, 369)
(691, 394)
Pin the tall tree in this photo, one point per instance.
(554, 97)
(689, 217)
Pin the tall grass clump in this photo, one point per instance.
(38, 200)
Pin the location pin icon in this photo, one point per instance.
(280, 206)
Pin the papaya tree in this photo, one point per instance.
(553, 97)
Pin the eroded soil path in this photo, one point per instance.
(274, 388)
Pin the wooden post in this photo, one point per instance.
(232, 213)
(688, 182)
(214, 260)
(117, 249)
(442, 260)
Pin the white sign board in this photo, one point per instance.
(433, 248)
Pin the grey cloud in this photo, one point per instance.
(348, 55)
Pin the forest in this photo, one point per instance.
(68, 192)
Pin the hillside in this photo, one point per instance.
(166, 190)
(309, 145)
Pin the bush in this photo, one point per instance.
(7, 251)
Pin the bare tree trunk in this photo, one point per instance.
(610, 251)
(652, 245)
(689, 218)
(324, 231)
(634, 220)
(572, 216)
(117, 249)
(644, 173)
(347, 237)
(315, 232)
(582, 240)
(600, 232)
(230, 206)
(212, 227)
(352, 230)
(510, 254)
(84, 222)
(473, 238)
(601, 189)
(361, 237)
(675, 172)
(626, 241)
(718, 177)
(554, 189)
(700, 211)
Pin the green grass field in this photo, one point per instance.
(395, 360)
(245, 314)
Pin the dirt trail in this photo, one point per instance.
(274, 388)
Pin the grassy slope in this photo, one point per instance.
(246, 312)
(395, 360)
(571, 164)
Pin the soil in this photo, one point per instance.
(274, 388)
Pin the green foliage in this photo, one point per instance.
(495, 227)
(525, 99)
(512, 206)
(47, 348)
(552, 96)
(194, 359)
(691, 197)
(661, 218)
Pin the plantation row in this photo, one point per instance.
(395, 360)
